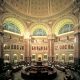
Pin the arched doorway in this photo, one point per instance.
(39, 56)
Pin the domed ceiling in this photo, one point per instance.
(39, 8)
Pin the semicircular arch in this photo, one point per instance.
(16, 22)
(44, 27)
(60, 23)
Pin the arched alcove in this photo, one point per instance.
(39, 32)
(63, 26)
(13, 25)
(66, 28)
(43, 30)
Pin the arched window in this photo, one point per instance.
(11, 27)
(66, 28)
(39, 32)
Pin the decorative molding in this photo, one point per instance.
(11, 9)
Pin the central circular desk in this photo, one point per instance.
(38, 72)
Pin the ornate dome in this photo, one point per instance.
(39, 8)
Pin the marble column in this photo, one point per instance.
(51, 48)
(77, 44)
(28, 50)
(1, 44)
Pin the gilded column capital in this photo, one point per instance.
(51, 36)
